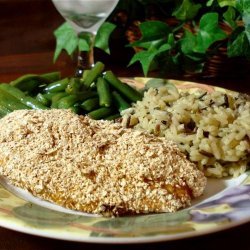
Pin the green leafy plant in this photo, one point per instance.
(198, 30)
(67, 39)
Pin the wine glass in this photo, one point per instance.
(86, 17)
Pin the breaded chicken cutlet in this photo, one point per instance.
(95, 166)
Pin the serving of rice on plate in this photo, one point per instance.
(210, 125)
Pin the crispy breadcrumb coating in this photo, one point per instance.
(95, 166)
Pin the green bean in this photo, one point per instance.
(76, 108)
(11, 102)
(70, 100)
(90, 104)
(84, 95)
(57, 86)
(74, 86)
(93, 74)
(4, 110)
(29, 82)
(4, 106)
(132, 94)
(84, 75)
(42, 99)
(112, 117)
(100, 113)
(56, 98)
(32, 103)
(2, 114)
(103, 90)
(52, 76)
(49, 96)
(21, 97)
(67, 101)
(120, 102)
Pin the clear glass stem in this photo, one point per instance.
(85, 59)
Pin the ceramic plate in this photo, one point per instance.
(225, 203)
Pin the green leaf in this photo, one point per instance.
(66, 39)
(210, 3)
(195, 46)
(243, 6)
(247, 30)
(164, 48)
(230, 16)
(209, 32)
(223, 3)
(246, 20)
(187, 10)
(171, 39)
(146, 57)
(239, 45)
(103, 35)
(188, 43)
(85, 41)
(149, 45)
(152, 30)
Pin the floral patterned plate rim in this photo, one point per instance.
(225, 204)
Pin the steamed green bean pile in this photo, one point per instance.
(96, 93)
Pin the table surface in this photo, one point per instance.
(26, 46)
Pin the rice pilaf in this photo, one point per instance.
(212, 129)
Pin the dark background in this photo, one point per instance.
(28, 26)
